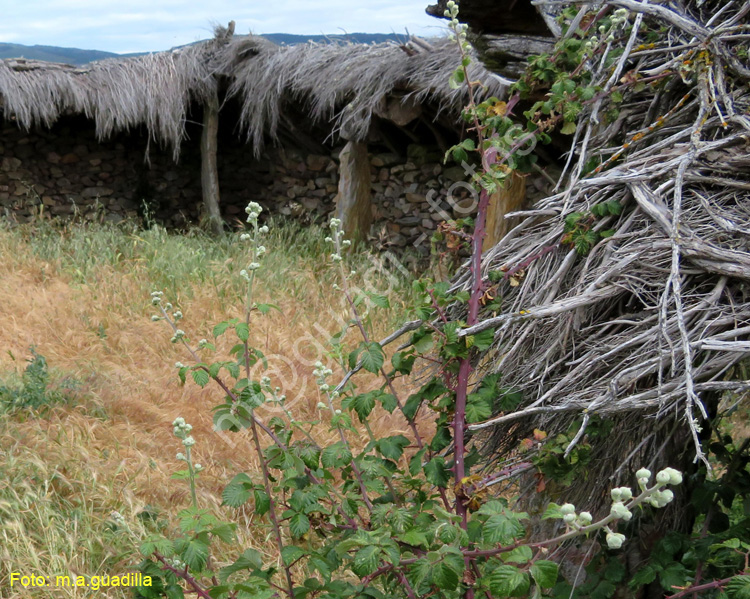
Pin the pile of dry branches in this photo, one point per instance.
(648, 326)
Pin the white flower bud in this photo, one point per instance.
(264, 229)
(675, 476)
(625, 493)
(181, 457)
(244, 237)
(663, 477)
(155, 318)
(253, 266)
(585, 518)
(615, 540)
(567, 508)
(620, 511)
(615, 493)
(337, 412)
(570, 518)
(643, 473)
(322, 406)
(188, 442)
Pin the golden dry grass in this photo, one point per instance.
(115, 450)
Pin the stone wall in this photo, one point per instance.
(65, 171)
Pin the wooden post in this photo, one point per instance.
(209, 168)
(503, 201)
(354, 202)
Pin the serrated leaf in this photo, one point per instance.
(484, 339)
(477, 409)
(235, 494)
(363, 404)
(739, 587)
(424, 344)
(262, 501)
(249, 560)
(221, 328)
(544, 573)
(502, 529)
(366, 560)
(336, 456)
(160, 544)
(291, 554)
(381, 301)
(195, 554)
(568, 128)
(243, 331)
(372, 356)
(392, 447)
(299, 524)
(508, 581)
(201, 377)
(436, 472)
(225, 532)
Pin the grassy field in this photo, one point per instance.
(79, 296)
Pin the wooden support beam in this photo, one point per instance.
(354, 199)
(503, 201)
(209, 168)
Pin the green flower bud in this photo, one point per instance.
(615, 540)
(567, 508)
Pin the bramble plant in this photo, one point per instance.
(368, 516)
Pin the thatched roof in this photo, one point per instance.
(647, 326)
(154, 90)
(346, 84)
(340, 83)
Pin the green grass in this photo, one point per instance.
(296, 263)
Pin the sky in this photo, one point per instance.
(150, 25)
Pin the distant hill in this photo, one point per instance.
(52, 53)
(78, 57)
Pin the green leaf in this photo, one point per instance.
(447, 573)
(160, 544)
(381, 301)
(262, 502)
(299, 525)
(484, 339)
(477, 409)
(363, 404)
(221, 328)
(568, 128)
(502, 528)
(291, 554)
(414, 537)
(195, 554)
(366, 560)
(266, 308)
(392, 447)
(388, 401)
(544, 573)
(243, 331)
(519, 555)
(509, 581)
(235, 494)
(336, 456)
(225, 532)
(739, 587)
(249, 560)
(201, 377)
(372, 356)
(424, 344)
(436, 472)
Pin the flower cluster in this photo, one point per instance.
(178, 336)
(574, 520)
(253, 211)
(451, 12)
(337, 240)
(182, 431)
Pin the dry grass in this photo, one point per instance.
(89, 315)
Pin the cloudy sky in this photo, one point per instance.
(144, 25)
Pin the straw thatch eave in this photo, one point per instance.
(154, 90)
(346, 85)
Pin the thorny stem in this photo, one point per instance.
(254, 429)
(192, 582)
(389, 381)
